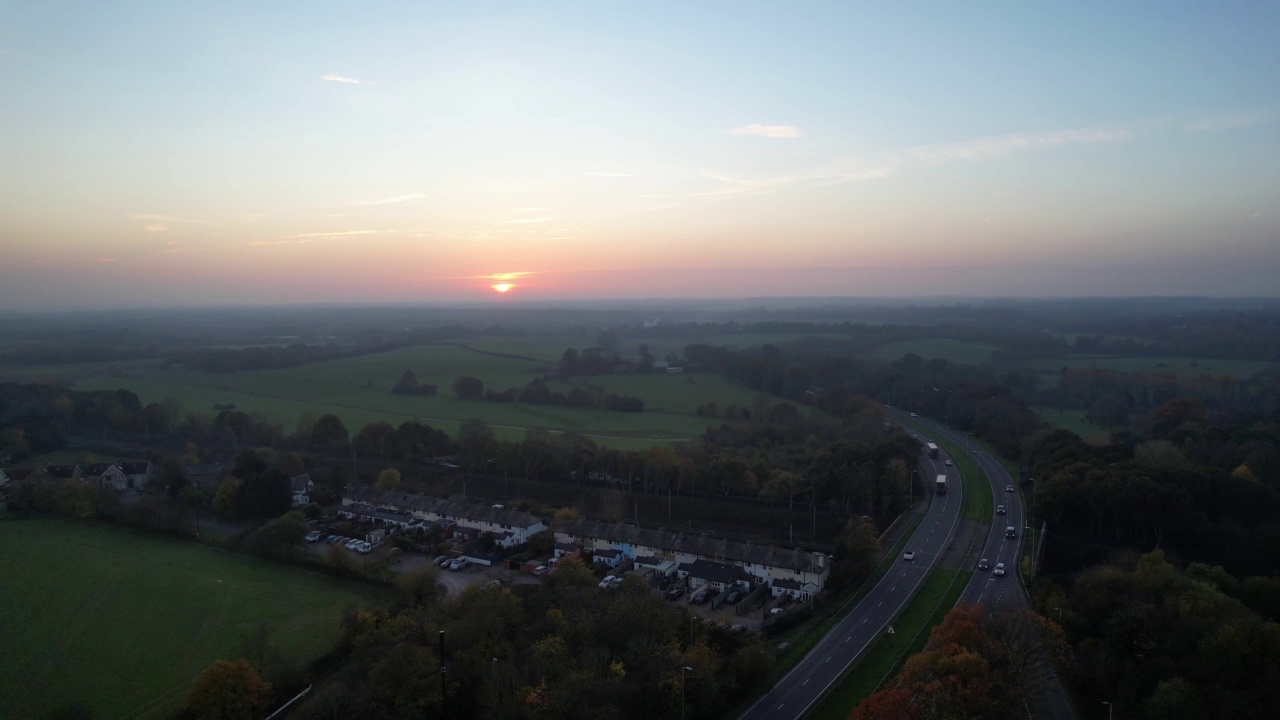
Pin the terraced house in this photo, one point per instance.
(783, 569)
(509, 527)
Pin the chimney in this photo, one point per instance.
(822, 559)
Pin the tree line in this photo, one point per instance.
(538, 393)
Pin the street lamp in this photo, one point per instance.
(1109, 709)
(684, 669)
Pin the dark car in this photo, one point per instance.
(984, 564)
(733, 597)
(675, 593)
(699, 598)
(1000, 510)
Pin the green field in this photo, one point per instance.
(121, 623)
(931, 604)
(933, 348)
(359, 391)
(1073, 420)
(1182, 366)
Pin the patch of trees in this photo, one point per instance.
(1160, 642)
(538, 393)
(408, 385)
(255, 489)
(591, 361)
(559, 649)
(267, 357)
(53, 354)
(976, 665)
(1206, 492)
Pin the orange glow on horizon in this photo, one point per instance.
(502, 287)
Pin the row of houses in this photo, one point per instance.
(128, 475)
(391, 507)
(697, 560)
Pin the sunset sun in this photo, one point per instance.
(502, 287)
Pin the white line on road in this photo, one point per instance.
(806, 682)
(827, 660)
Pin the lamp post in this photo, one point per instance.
(683, 669)
(1109, 709)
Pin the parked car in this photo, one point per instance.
(351, 544)
(541, 570)
(606, 581)
(999, 571)
(699, 598)
(739, 629)
(776, 611)
(458, 564)
(984, 564)
(331, 539)
(313, 536)
(1000, 510)
(440, 560)
(733, 597)
(364, 548)
(909, 555)
(913, 414)
(675, 593)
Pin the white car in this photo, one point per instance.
(999, 571)
(1008, 488)
(541, 570)
(351, 544)
(313, 536)
(608, 580)
(458, 564)
(947, 463)
(364, 548)
(1000, 510)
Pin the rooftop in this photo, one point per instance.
(797, 560)
(439, 506)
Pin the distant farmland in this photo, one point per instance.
(936, 348)
(359, 391)
(120, 622)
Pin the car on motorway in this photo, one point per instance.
(1008, 488)
(999, 571)
(1011, 532)
(984, 564)
(913, 414)
(909, 555)
(947, 463)
(1000, 510)
(313, 536)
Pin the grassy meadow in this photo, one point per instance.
(936, 348)
(359, 391)
(120, 622)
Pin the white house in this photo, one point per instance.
(761, 563)
(509, 527)
(302, 487)
(137, 473)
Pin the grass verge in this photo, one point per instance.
(911, 631)
(977, 495)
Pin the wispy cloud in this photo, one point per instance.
(530, 209)
(163, 218)
(1231, 121)
(982, 148)
(769, 131)
(157, 227)
(526, 221)
(335, 77)
(506, 276)
(337, 233)
(608, 174)
(391, 200)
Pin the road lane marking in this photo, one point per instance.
(827, 660)
(806, 682)
(780, 706)
(851, 637)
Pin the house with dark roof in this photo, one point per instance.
(765, 563)
(301, 485)
(567, 548)
(718, 575)
(794, 588)
(137, 473)
(610, 557)
(509, 527)
(206, 475)
(63, 472)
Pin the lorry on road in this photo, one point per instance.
(933, 450)
(941, 485)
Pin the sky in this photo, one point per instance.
(187, 154)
